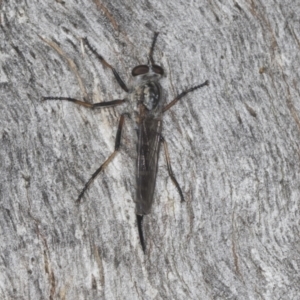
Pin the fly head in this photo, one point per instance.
(146, 69)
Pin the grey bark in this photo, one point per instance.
(234, 149)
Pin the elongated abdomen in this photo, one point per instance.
(147, 161)
(149, 131)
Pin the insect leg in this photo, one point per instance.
(106, 64)
(86, 104)
(108, 160)
(170, 171)
(177, 98)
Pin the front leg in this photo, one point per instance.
(106, 64)
(177, 98)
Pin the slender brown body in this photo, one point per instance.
(149, 125)
(147, 103)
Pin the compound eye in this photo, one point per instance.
(158, 70)
(140, 70)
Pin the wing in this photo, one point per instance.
(149, 130)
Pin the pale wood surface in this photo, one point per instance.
(234, 148)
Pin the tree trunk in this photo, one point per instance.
(234, 149)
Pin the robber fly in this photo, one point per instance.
(148, 105)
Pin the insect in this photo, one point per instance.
(147, 107)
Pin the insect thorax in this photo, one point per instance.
(148, 93)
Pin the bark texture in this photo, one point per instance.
(234, 148)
